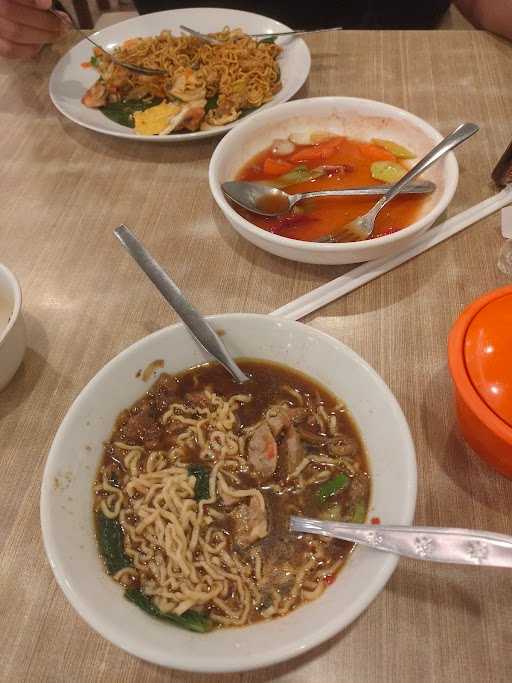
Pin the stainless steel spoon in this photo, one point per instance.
(271, 201)
(199, 327)
(131, 67)
(436, 544)
(361, 228)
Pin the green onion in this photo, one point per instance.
(331, 487)
(270, 39)
(359, 514)
(190, 620)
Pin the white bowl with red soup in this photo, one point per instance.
(332, 143)
(168, 489)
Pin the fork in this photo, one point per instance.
(214, 41)
(130, 67)
(361, 228)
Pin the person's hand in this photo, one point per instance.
(26, 25)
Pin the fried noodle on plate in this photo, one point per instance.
(205, 86)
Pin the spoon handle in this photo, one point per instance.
(461, 133)
(298, 32)
(365, 190)
(196, 323)
(457, 546)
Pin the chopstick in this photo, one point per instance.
(325, 294)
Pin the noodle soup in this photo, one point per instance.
(197, 483)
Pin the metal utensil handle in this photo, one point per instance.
(418, 188)
(296, 33)
(78, 30)
(461, 133)
(458, 546)
(198, 326)
(203, 36)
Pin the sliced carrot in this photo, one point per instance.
(375, 153)
(276, 166)
(318, 152)
(86, 65)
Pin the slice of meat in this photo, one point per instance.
(262, 453)
(342, 450)
(279, 421)
(291, 452)
(250, 522)
(284, 417)
(142, 428)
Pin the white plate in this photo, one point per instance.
(66, 496)
(69, 80)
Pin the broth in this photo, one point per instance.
(344, 163)
(312, 463)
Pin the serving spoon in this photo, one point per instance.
(271, 201)
(436, 544)
(199, 327)
(361, 228)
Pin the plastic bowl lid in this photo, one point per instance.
(488, 355)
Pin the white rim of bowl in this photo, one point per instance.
(240, 662)
(175, 137)
(17, 301)
(301, 245)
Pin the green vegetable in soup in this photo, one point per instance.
(387, 171)
(190, 620)
(332, 486)
(110, 540)
(122, 112)
(202, 485)
(299, 175)
(211, 103)
(332, 513)
(398, 150)
(359, 514)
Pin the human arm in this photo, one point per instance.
(491, 15)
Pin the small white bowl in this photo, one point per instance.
(12, 327)
(355, 118)
(66, 496)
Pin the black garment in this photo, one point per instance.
(355, 14)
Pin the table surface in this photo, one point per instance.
(63, 189)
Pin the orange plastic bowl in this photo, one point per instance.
(480, 362)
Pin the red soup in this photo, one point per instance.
(331, 162)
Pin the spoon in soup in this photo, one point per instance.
(436, 544)
(271, 201)
(199, 327)
(361, 228)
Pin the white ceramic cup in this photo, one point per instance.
(12, 327)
